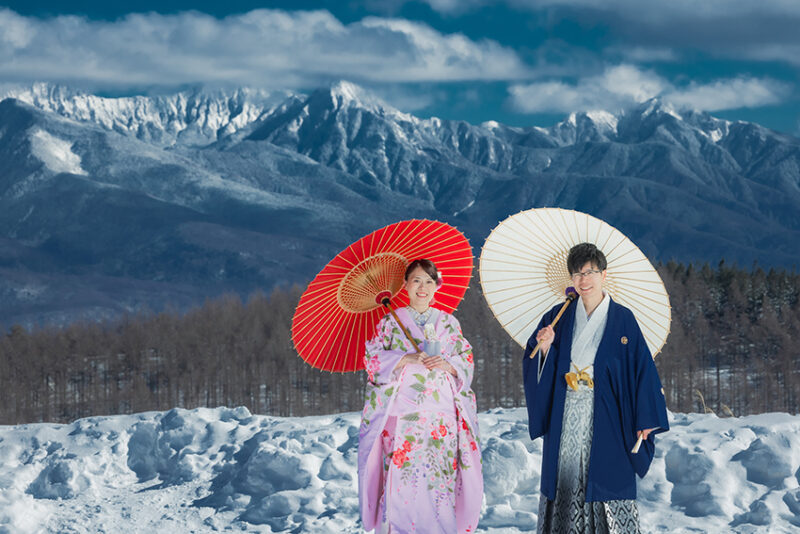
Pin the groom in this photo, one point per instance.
(591, 390)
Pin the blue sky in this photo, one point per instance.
(520, 62)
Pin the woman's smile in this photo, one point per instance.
(421, 288)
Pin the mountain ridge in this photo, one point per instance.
(252, 190)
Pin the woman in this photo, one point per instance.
(419, 458)
(591, 389)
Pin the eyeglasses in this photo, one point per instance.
(584, 274)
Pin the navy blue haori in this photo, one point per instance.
(627, 397)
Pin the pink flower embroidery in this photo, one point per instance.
(399, 457)
(434, 435)
(442, 430)
(372, 366)
(473, 445)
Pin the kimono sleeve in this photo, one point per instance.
(460, 353)
(539, 381)
(650, 407)
(384, 351)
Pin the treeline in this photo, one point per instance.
(733, 346)
(730, 351)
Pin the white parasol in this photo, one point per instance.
(523, 271)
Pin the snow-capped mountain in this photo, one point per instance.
(195, 117)
(109, 204)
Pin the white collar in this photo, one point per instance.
(600, 312)
(588, 333)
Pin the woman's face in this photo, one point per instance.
(588, 281)
(420, 287)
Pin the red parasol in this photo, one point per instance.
(338, 312)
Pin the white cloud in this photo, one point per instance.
(15, 31)
(615, 88)
(630, 83)
(624, 85)
(448, 57)
(542, 97)
(269, 48)
(774, 52)
(729, 94)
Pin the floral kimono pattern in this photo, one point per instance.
(419, 455)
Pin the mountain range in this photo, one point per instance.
(114, 205)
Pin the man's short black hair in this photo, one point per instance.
(584, 253)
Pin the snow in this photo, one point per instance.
(465, 208)
(348, 94)
(189, 117)
(572, 119)
(604, 120)
(55, 153)
(208, 470)
(655, 104)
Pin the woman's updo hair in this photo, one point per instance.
(584, 253)
(427, 265)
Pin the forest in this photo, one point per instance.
(730, 351)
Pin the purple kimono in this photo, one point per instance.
(419, 455)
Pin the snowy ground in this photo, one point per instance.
(212, 470)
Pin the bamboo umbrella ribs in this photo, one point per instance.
(523, 271)
(340, 308)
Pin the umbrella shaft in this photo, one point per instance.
(402, 326)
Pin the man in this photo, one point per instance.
(592, 389)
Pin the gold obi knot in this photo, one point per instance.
(579, 375)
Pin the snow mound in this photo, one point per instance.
(208, 470)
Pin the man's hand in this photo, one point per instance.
(545, 338)
(644, 433)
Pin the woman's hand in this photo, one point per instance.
(412, 357)
(437, 362)
(545, 338)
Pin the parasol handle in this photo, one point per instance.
(571, 294)
(385, 302)
(638, 444)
